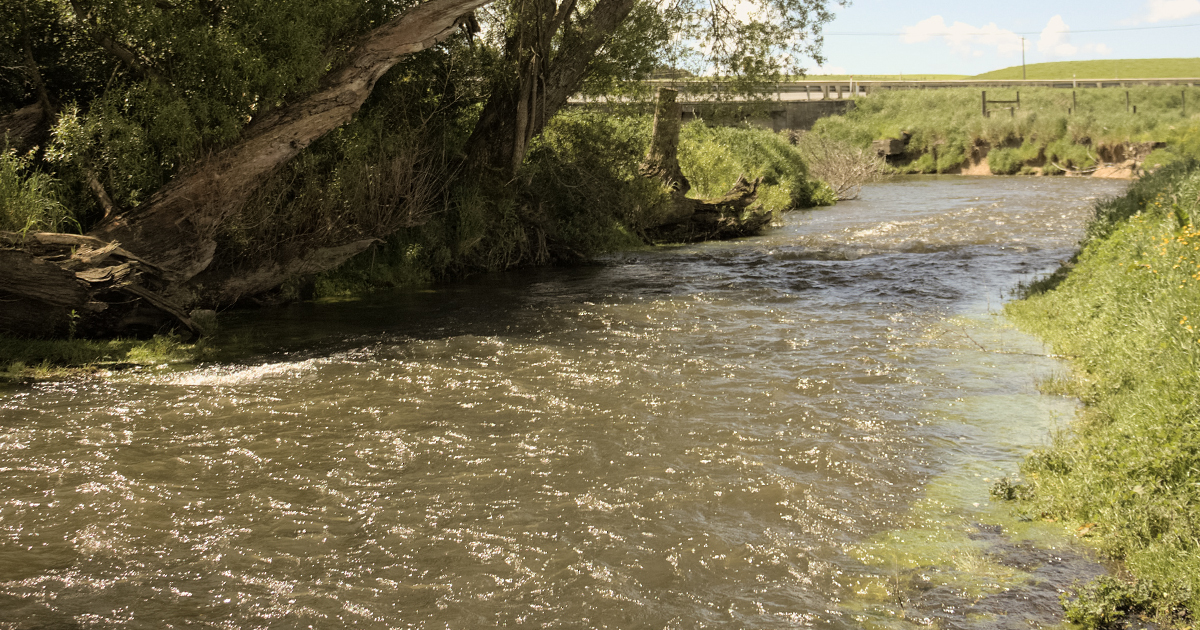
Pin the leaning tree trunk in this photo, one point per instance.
(171, 237)
(518, 111)
(687, 219)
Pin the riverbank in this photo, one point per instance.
(1051, 132)
(1125, 472)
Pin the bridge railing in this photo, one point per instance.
(817, 89)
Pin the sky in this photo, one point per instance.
(971, 37)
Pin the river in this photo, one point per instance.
(794, 430)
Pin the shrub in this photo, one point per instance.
(1004, 161)
(712, 158)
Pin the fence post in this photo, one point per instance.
(983, 95)
(1018, 99)
(1126, 101)
(1074, 105)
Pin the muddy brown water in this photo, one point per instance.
(795, 430)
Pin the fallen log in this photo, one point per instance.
(687, 219)
(57, 285)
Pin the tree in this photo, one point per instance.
(549, 50)
(167, 116)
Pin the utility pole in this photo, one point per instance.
(1022, 58)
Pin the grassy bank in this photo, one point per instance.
(1101, 69)
(39, 359)
(1127, 471)
(1071, 129)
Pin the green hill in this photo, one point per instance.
(882, 77)
(1102, 69)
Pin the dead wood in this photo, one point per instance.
(62, 284)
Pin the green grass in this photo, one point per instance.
(1129, 314)
(38, 359)
(1101, 69)
(879, 77)
(947, 126)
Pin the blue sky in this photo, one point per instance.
(971, 37)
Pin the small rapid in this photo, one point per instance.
(786, 431)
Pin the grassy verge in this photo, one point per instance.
(1127, 472)
(1074, 129)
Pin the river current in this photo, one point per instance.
(794, 430)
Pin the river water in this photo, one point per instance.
(787, 431)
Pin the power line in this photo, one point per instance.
(1067, 32)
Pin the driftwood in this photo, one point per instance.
(133, 272)
(65, 284)
(687, 219)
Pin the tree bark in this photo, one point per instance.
(662, 161)
(518, 111)
(97, 284)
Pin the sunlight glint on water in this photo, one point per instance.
(693, 437)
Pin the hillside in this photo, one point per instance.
(1102, 69)
(882, 77)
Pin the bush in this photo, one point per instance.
(712, 158)
(842, 166)
(1004, 161)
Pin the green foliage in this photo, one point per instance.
(48, 358)
(712, 158)
(1010, 161)
(946, 125)
(28, 200)
(200, 72)
(1128, 313)
(578, 195)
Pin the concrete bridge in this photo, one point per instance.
(817, 89)
(797, 105)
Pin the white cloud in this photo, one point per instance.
(1164, 10)
(1055, 41)
(964, 39)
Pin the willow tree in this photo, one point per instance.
(169, 115)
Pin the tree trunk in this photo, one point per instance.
(173, 232)
(518, 111)
(176, 226)
(690, 220)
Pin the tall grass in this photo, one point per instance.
(947, 125)
(28, 200)
(1129, 312)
